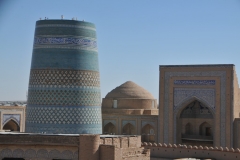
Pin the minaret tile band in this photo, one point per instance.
(64, 85)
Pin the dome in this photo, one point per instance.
(129, 89)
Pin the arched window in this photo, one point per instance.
(188, 129)
(11, 125)
(205, 129)
(148, 129)
(109, 129)
(128, 129)
(148, 134)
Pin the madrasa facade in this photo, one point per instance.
(198, 105)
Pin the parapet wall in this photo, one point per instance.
(71, 147)
(123, 147)
(183, 151)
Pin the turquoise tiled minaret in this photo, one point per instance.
(64, 86)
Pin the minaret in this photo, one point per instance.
(64, 84)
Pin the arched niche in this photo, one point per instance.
(189, 118)
(109, 128)
(188, 129)
(11, 125)
(148, 133)
(205, 129)
(128, 129)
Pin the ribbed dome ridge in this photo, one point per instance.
(129, 89)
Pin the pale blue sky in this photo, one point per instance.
(134, 37)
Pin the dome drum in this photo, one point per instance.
(129, 103)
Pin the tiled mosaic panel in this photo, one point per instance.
(183, 94)
(64, 115)
(196, 110)
(63, 78)
(66, 25)
(194, 82)
(64, 97)
(168, 75)
(7, 117)
(72, 59)
(67, 119)
(65, 42)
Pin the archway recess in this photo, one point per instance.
(148, 133)
(12, 126)
(195, 125)
(128, 129)
(109, 129)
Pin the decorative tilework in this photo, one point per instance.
(196, 110)
(66, 25)
(67, 119)
(183, 94)
(194, 82)
(64, 115)
(63, 78)
(52, 58)
(168, 75)
(65, 40)
(7, 117)
(64, 86)
(65, 97)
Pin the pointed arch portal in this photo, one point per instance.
(11, 125)
(195, 124)
(109, 129)
(128, 129)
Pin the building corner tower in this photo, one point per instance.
(64, 84)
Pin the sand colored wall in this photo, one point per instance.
(173, 152)
(138, 121)
(39, 147)
(222, 103)
(236, 95)
(72, 147)
(129, 103)
(127, 148)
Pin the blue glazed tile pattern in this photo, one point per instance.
(63, 78)
(65, 97)
(65, 42)
(55, 119)
(66, 26)
(194, 82)
(64, 59)
(64, 86)
(183, 94)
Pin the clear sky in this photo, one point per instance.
(134, 37)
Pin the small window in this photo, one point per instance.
(114, 103)
(153, 104)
